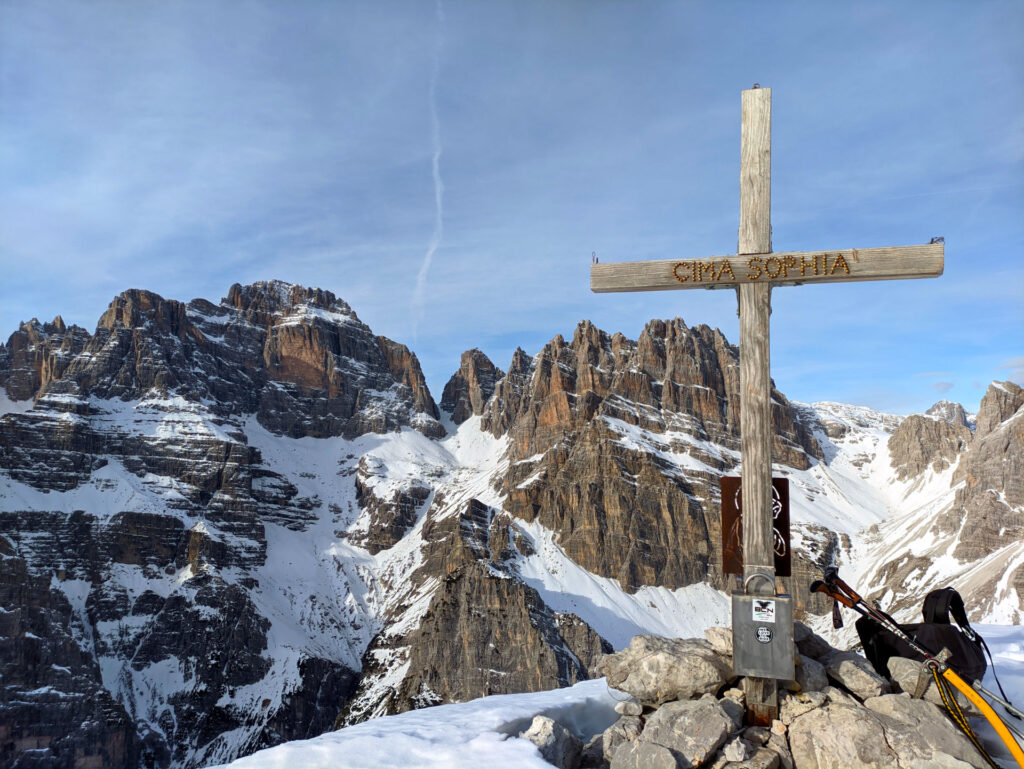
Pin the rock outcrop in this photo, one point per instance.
(953, 413)
(469, 389)
(597, 427)
(980, 523)
(138, 519)
(921, 443)
(482, 632)
(990, 504)
(835, 726)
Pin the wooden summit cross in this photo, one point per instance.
(753, 271)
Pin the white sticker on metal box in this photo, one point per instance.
(764, 610)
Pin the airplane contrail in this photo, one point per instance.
(419, 292)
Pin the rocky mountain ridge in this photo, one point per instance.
(224, 526)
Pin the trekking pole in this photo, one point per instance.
(847, 596)
(1008, 705)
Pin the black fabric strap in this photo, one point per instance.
(936, 606)
(939, 604)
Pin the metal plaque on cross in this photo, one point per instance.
(732, 525)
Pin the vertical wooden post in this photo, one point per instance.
(755, 237)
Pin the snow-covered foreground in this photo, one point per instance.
(482, 733)
(469, 735)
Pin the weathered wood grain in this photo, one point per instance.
(755, 237)
(755, 433)
(785, 268)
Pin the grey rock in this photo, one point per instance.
(920, 732)
(693, 729)
(809, 643)
(855, 673)
(737, 749)
(840, 696)
(891, 731)
(762, 758)
(626, 729)
(905, 673)
(629, 708)
(810, 674)
(839, 737)
(643, 755)
(793, 705)
(720, 639)
(736, 695)
(656, 670)
(758, 735)
(557, 745)
(780, 746)
(592, 756)
(920, 443)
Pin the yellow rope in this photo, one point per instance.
(954, 710)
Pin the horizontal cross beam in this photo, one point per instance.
(789, 268)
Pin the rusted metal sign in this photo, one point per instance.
(732, 525)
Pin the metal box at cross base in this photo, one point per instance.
(762, 636)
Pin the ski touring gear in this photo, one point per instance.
(946, 677)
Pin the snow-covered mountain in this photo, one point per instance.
(227, 526)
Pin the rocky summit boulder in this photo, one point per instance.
(855, 674)
(691, 730)
(810, 674)
(840, 717)
(890, 731)
(557, 745)
(656, 670)
(906, 676)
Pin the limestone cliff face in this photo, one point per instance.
(137, 518)
(620, 504)
(298, 357)
(923, 442)
(990, 505)
(36, 354)
(483, 632)
(469, 389)
(954, 413)
(976, 528)
(53, 699)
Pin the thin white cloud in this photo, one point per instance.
(420, 290)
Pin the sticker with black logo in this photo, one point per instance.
(764, 610)
(764, 635)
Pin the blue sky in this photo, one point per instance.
(448, 169)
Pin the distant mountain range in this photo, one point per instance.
(227, 526)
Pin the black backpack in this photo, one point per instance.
(967, 648)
